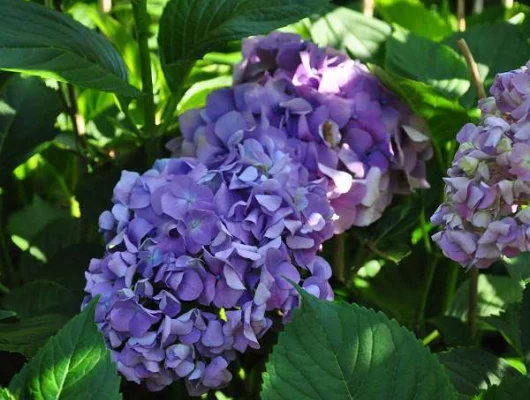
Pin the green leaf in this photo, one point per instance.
(415, 17)
(50, 239)
(27, 118)
(453, 331)
(30, 220)
(349, 30)
(5, 314)
(444, 116)
(196, 95)
(497, 47)
(74, 364)
(511, 388)
(39, 41)
(343, 351)
(191, 28)
(472, 370)
(524, 327)
(507, 323)
(519, 268)
(5, 394)
(28, 335)
(40, 297)
(432, 63)
(495, 294)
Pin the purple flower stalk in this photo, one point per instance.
(197, 259)
(340, 123)
(485, 216)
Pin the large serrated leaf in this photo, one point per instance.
(497, 47)
(343, 351)
(74, 364)
(40, 297)
(349, 30)
(444, 116)
(472, 370)
(191, 28)
(39, 41)
(432, 63)
(27, 335)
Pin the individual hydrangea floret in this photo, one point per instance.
(197, 260)
(340, 123)
(486, 216)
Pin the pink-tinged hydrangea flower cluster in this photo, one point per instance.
(338, 120)
(197, 259)
(486, 214)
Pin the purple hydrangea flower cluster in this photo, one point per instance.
(197, 258)
(340, 123)
(485, 215)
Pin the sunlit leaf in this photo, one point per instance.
(74, 364)
(191, 28)
(349, 30)
(39, 41)
(343, 351)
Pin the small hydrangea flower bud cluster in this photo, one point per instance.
(340, 123)
(485, 215)
(197, 259)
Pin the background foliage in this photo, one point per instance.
(78, 105)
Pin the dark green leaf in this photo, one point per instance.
(507, 323)
(5, 314)
(38, 41)
(343, 351)
(191, 28)
(444, 116)
(74, 364)
(27, 119)
(453, 331)
(28, 335)
(32, 219)
(519, 268)
(497, 47)
(511, 388)
(495, 294)
(54, 236)
(524, 327)
(432, 63)
(41, 297)
(349, 30)
(472, 370)
(415, 17)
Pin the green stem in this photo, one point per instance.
(141, 19)
(429, 276)
(338, 258)
(430, 338)
(167, 115)
(473, 295)
(8, 268)
(426, 238)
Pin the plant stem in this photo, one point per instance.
(461, 14)
(427, 283)
(473, 294)
(141, 19)
(473, 68)
(338, 258)
(431, 337)
(368, 8)
(8, 269)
